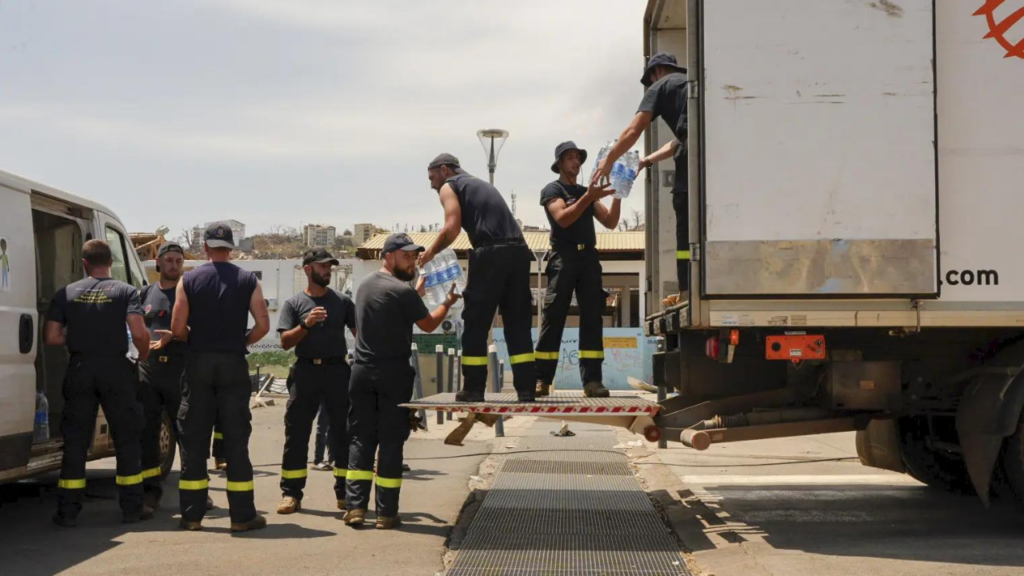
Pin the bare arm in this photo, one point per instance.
(431, 322)
(662, 153)
(627, 140)
(140, 336)
(451, 228)
(609, 218)
(291, 338)
(258, 309)
(53, 334)
(566, 216)
(179, 315)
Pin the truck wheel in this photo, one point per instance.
(1013, 462)
(935, 468)
(168, 445)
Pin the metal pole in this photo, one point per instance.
(491, 163)
(492, 352)
(417, 388)
(540, 278)
(501, 375)
(451, 376)
(439, 358)
(458, 368)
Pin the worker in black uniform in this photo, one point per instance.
(574, 266)
(499, 275)
(94, 312)
(665, 81)
(382, 379)
(211, 312)
(313, 322)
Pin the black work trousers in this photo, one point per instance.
(159, 392)
(569, 270)
(314, 384)
(681, 206)
(94, 381)
(498, 276)
(216, 389)
(376, 421)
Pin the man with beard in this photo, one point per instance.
(382, 378)
(574, 266)
(313, 322)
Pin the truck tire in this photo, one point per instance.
(935, 468)
(168, 445)
(1013, 463)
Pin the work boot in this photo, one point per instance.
(220, 464)
(465, 395)
(342, 505)
(289, 505)
(595, 390)
(151, 499)
(388, 522)
(64, 521)
(255, 524)
(527, 396)
(542, 389)
(145, 514)
(195, 526)
(209, 503)
(355, 517)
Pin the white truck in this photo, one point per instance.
(42, 231)
(856, 184)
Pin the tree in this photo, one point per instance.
(347, 232)
(637, 218)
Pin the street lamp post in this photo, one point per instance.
(487, 140)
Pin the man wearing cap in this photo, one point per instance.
(313, 322)
(499, 275)
(665, 81)
(89, 317)
(382, 379)
(211, 312)
(574, 266)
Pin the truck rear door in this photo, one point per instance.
(820, 176)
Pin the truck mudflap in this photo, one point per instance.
(989, 413)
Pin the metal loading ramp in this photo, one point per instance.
(558, 404)
(567, 507)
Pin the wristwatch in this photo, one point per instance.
(303, 325)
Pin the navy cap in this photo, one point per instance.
(446, 159)
(218, 235)
(400, 242)
(660, 59)
(170, 247)
(562, 149)
(318, 256)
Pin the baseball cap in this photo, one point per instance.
(318, 256)
(565, 147)
(660, 59)
(218, 235)
(446, 159)
(170, 247)
(400, 242)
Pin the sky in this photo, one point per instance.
(179, 112)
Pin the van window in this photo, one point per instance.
(138, 276)
(119, 271)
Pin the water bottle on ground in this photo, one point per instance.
(41, 431)
(441, 273)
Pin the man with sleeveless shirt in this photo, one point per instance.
(665, 82)
(313, 323)
(94, 312)
(574, 266)
(499, 275)
(211, 312)
(382, 379)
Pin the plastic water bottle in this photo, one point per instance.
(41, 431)
(627, 168)
(441, 273)
(600, 156)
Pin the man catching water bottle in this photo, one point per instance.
(666, 82)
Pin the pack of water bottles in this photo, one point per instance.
(441, 273)
(624, 170)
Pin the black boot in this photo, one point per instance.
(465, 395)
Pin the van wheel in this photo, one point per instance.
(936, 468)
(1013, 462)
(168, 445)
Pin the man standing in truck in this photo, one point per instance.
(574, 266)
(666, 82)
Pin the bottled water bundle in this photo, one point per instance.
(440, 274)
(624, 170)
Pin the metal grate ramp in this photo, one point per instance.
(556, 404)
(567, 507)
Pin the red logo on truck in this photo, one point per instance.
(998, 30)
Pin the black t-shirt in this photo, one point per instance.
(326, 339)
(218, 306)
(157, 305)
(666, 98)
(95, 312)
(485, 216)
(579, 232)
(386, 309)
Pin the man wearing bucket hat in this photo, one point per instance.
(499, 275)
(574, 266)
(666, 82)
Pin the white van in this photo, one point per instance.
(42, 231)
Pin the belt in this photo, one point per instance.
(572, 247)
(511, 241)
(321, 361)
(168, 359)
